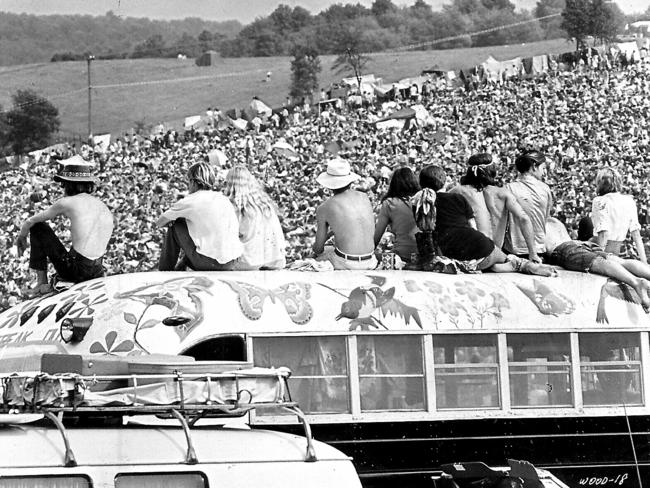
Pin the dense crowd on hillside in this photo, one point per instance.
(582, 120)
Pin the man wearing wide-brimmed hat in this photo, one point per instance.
(91, 226)
(348, 216)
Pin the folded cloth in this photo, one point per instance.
(311, 264)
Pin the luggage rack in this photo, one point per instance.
(57, 395)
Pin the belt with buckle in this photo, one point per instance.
(353, 257)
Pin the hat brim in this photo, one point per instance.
(83, 179)
(336, 182)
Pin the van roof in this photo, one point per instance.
(41, 446)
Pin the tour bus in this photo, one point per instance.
(402, 371)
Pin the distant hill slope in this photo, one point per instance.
(231, 83)
(35, 39)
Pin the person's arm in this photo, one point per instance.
(382, 224)
(525, 225)
(601, 238)
(321, 231)
(56, 209)
(638, 244)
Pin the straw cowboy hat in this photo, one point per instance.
(75, 169)
(338, 174)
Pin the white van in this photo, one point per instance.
(183, 428)
(133, 456)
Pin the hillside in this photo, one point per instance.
(232, 83)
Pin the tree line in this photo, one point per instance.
(382, 26)
(42, 38)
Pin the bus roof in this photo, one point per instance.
(38, 446)
(127, 311)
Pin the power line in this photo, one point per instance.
(469, 34)
(178, 80)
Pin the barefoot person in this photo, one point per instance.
(91, 226)
(348, 215)
(589, 257)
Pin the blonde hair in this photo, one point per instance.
(203, 175)
(607, 181)
(245, 192)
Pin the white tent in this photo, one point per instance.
(257, 108)
(191, 121)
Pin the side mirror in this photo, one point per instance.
(176, 320)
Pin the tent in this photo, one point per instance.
(257, 108)
(208, 58)
(191, 121)
(492, 69)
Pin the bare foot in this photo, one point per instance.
(538, 269)
(38, 290)
(643, 290)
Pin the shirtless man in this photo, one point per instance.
(493, 205)
(91, 226)
(349, 217)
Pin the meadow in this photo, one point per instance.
(167, 90)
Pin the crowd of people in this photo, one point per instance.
(581, 120)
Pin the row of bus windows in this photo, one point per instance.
(390, 370)
(140, 480)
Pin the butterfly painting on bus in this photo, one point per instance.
(294, 297)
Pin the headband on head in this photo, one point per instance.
(474, 168)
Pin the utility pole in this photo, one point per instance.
(90, 118)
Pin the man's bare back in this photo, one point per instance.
(350, 217)
(91, 224)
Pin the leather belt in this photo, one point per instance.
(353, 257)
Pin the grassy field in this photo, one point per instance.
(183, 89)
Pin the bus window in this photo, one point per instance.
(610, 368)
(161, 480)
(45, 482)
(391, 373)
(540, 370)
(466, 370)
(319, 379)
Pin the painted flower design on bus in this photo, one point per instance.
(109, 348)
(293, 297)
(180, 296)
(469, 289)
(547, 300)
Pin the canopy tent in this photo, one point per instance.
(257, 108)
(491, 69)
(191, 121)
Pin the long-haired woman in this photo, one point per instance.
(396, 212)
(614, 215)
(260, 231)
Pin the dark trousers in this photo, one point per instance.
(177, 238)
(69, 265)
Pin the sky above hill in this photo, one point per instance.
(242, 10)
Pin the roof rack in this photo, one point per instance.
(185, 397)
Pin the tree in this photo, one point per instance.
(583, 18)
(551, 26)
(606, 19)
(352, 60)
(31, 123)
(575, 21)
(304, 72)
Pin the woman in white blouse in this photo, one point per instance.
(260, 231)
(614, 215)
